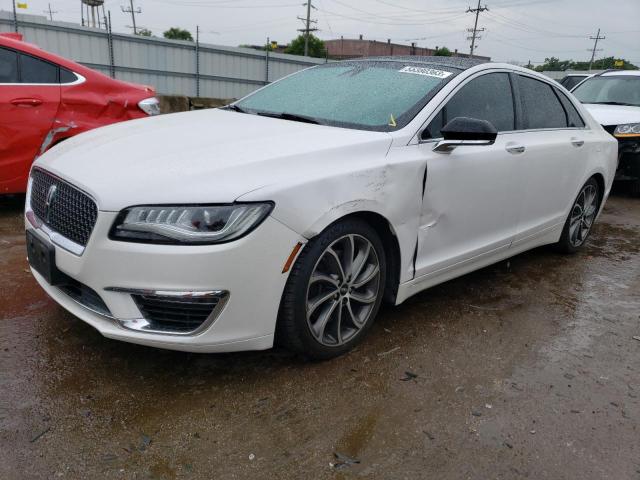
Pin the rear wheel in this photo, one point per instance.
(581, 217)
(334, 291)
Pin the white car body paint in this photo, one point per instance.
(613, 114)
(480, 204)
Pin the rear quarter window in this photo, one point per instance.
(67, 76)
(574, 119)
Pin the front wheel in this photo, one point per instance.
(334, 291)
(581, 217)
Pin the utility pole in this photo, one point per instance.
(50, 12)
(474, 33)
(595, 47)
(307, 30)
(197, 61)
(133, 12)
(112, 62)
(15, 17)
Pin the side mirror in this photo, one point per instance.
(463, 131)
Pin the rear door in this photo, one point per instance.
(552, 164)
(29, 100)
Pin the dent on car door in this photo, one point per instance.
(553, 161)
(29, 99)
(472, 194)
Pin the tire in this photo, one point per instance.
(327, 315)
(579, 222)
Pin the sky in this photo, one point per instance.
(515, 30)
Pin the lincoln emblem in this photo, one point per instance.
(49, 200)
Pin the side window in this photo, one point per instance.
(8, 66)
(487, 97)
(540, 105)
(67, 76)
(573, 117)
(33, 70)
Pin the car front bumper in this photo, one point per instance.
(629, 159)
(248, 271)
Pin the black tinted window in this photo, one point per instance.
(8, 66)
(33, 70)
(570, 82)
(542, 109)
(66, 76)
(487, 97)
(573, 117)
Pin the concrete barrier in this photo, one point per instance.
(180, 103)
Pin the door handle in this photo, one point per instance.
(515, 149)
(577, 143)
(26, 102)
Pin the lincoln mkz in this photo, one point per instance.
(290, 215)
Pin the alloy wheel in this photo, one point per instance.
(342, 290)
(583, 214)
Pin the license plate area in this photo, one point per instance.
(42, 257)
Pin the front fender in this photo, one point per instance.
(392, 190)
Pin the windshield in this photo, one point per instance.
(619, 90)
(381, 96)
(571, 81)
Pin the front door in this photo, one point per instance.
(472, 194)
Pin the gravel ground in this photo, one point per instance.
(526, 369)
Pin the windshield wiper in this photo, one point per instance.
(235, 108)
(290, 116)
(613, 103)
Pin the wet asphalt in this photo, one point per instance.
(525, 369)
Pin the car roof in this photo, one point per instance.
(31, 49)
(460, 63)
(616, 73)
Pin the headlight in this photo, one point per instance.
(150, 106)
(627, 130)
(188, 225)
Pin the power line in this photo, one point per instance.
(374, 22)
(595, 46)
(50, 12)
(475, 29)
(133, 12)
(308, 28)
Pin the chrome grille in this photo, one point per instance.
(172, 314)
(70, 212)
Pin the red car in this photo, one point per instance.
(45, 99)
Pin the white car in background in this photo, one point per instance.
(613, 99)
(293, 213)
(572, 79)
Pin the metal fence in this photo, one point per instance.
(173, 67)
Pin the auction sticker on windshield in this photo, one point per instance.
(428, 72)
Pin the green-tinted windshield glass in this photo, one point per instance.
(368, 95)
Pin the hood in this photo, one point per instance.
(207, 156)
(607, 115)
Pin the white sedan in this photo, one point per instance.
(290, 215)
